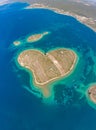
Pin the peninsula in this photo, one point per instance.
(92, 93)
(48, 67)
(36, 37)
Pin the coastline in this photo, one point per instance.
(84, 20)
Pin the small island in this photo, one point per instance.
(48, 67)
(92, 93)
(36, 37)
(17, 43)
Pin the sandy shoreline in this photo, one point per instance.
(85, 20)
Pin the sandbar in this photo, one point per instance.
(48, 67)
(36, 37)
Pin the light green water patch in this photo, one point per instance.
(82, 90)
(50, 99)
(93, 55)
(90, 67)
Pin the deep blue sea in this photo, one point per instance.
(22, 110)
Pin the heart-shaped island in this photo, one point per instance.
(48, 67)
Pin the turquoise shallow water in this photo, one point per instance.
(22, 110)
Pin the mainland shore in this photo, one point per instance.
(88, 21)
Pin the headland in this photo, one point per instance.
(48, 67)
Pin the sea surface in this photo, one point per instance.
(69, 109)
